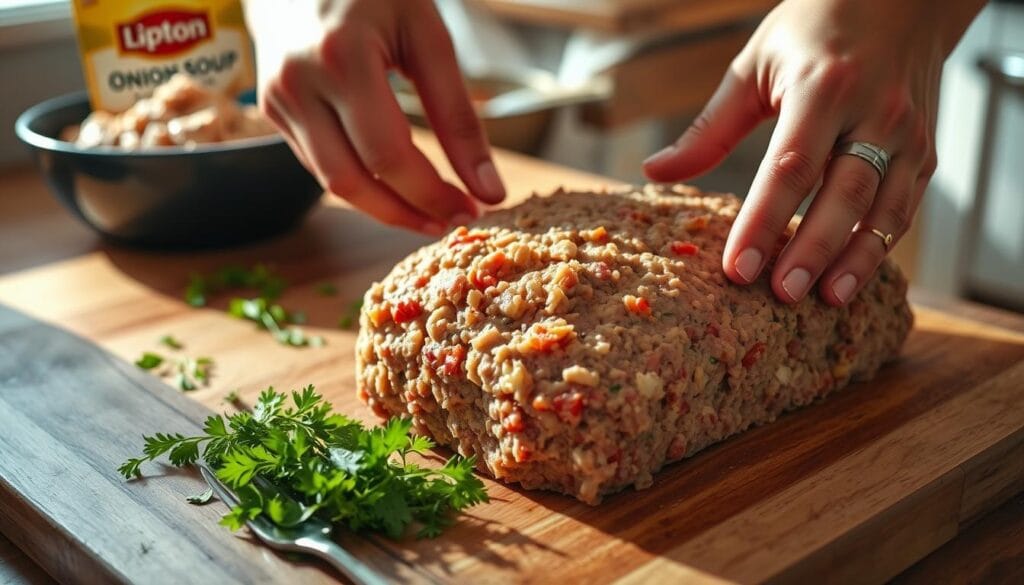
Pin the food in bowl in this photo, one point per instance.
(581, 341)
(208, 196)
(181, 112)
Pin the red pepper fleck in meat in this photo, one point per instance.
(453, 358)
(569, 405)
(405, 311)
(753, 354)
(685, 248)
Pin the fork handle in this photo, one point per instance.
(359, 572)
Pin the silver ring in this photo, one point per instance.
(886, 238)
(875, 155)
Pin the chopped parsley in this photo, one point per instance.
(293, 457)
(189, 373)
(171, 342)
(261, 309)
(615, 388)
(260, 277)
(275, 319)
(149, 360)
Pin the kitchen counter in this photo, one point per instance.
(37, 236)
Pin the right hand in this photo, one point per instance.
(323, 80)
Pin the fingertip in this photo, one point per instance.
(659, 158)
(792, 285)
(746, 266)
(840, 290)
(668, 164)
(492, 188)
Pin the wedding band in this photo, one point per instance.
(886, 238)
(876, 156)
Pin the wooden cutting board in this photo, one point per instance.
(855, 488)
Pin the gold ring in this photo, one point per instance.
(886, 238)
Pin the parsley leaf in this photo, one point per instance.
(149, 360)
(292, 457)
(170, 342)
(188, 373)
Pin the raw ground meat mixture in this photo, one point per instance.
(580, 341)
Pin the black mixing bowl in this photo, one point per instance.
(170, 197)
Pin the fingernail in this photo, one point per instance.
(433, 228)
(494, 190)
(844, 286)
(796, 282)
(661, 154)
(748, 263)
(461, 219)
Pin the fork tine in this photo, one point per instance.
(318, 543)
(218, 487)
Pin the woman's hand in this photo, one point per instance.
(833, 71)
(323, 80)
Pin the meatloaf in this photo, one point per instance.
(579, 341)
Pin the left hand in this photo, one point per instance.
(833, 71)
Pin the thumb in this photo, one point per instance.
(731, 113)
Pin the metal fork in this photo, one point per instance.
(312, 537)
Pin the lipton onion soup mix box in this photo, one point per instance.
(129, 48)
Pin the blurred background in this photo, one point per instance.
(601, 84)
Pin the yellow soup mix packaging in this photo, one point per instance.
(130, 48)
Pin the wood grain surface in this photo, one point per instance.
(857, 488)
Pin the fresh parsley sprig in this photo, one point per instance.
(292, 457)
